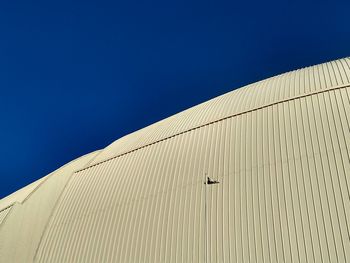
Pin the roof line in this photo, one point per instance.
(218, 120)
(45, 178)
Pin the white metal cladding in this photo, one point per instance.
(279, 148)
(283, 196)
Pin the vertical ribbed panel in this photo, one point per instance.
(21, 232)
(285, 86)
(283, 196)
(3, 213)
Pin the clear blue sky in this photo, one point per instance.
(77, 75)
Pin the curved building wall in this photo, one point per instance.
(24, 225)
(279, 148)
(252, 97)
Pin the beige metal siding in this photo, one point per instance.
(20, 195)
(280, 149)
(283, 196)
(273, 90)
(21, 233)
(3, 214)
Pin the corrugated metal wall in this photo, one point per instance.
(273, 90)
(283, 196)
(280, 149)
(21, 233)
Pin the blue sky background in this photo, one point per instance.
(77, 75)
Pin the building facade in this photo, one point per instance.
(279, 150)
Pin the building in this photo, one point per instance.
(279, 149)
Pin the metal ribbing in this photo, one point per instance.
(272, 90)
(21, 231)
(283, 195)
(3, 213)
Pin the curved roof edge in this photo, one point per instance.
(286, 86)
(22, 194)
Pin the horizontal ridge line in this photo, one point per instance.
(218, 120)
